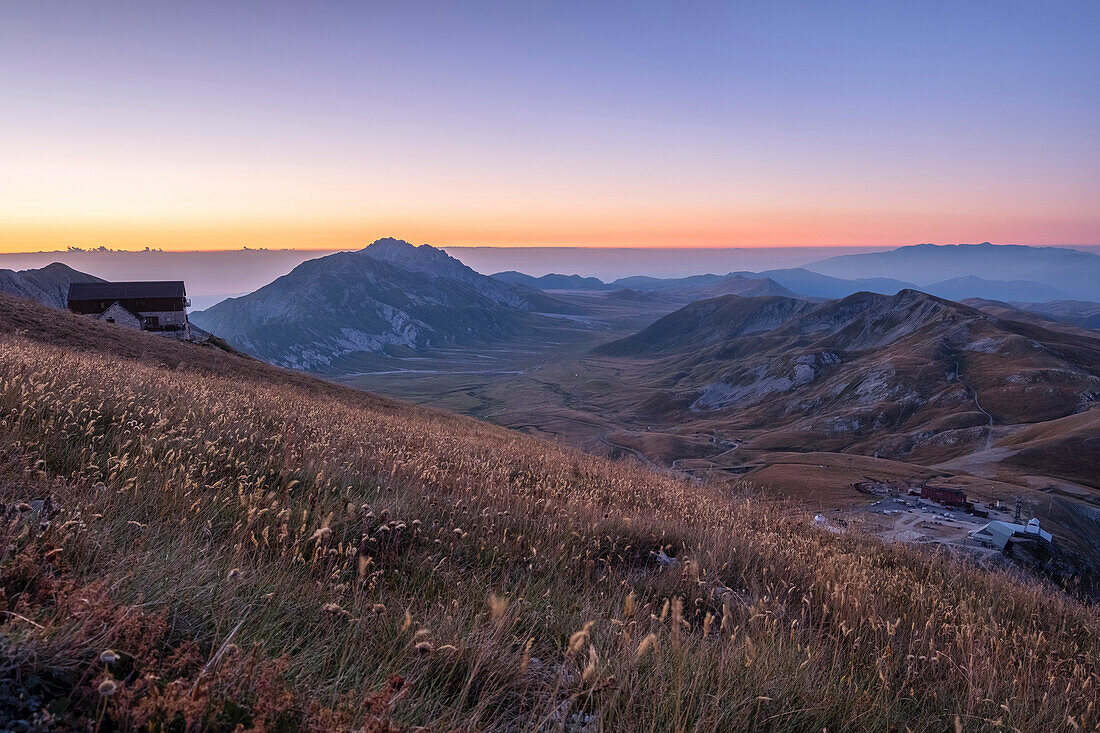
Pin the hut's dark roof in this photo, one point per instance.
(127, 290)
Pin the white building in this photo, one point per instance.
(997, 534)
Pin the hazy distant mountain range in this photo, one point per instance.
(782, 282)
(969, 286)
(48, 285)
(389, 298)
(1008, 273)
(1072, 273)
(551, 281)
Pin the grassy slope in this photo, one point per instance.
(263, 548)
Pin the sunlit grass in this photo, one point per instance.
(274, 556)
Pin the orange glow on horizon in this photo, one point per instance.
(810, 230)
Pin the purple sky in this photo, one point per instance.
(204, 125)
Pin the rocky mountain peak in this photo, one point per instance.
(424, 259)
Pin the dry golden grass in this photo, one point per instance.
(282, 554)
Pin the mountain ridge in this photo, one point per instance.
(331, 313)
(1073, 272)
(47, 285)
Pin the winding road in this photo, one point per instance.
(974, 394)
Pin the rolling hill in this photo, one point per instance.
(1083, 314)
(815, 285)
(1077, 312)
(960, 288)
(908, 376)
(333, 313)
(553, 281)
(196, 540)
(708, 322)
(729, 285)
(697, 287)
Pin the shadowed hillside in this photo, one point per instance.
(47, 285)
(192, 540)
(708, 322)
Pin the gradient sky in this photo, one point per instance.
(325, 125)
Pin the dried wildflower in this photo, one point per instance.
(108, 687)
(497, 606)
(526, 655)
(590, 669)
(332, 609)
(649, 642)
(424, 647)
(577, 640)
(108, 656)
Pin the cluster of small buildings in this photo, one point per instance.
(996, 534)
(157, 307)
